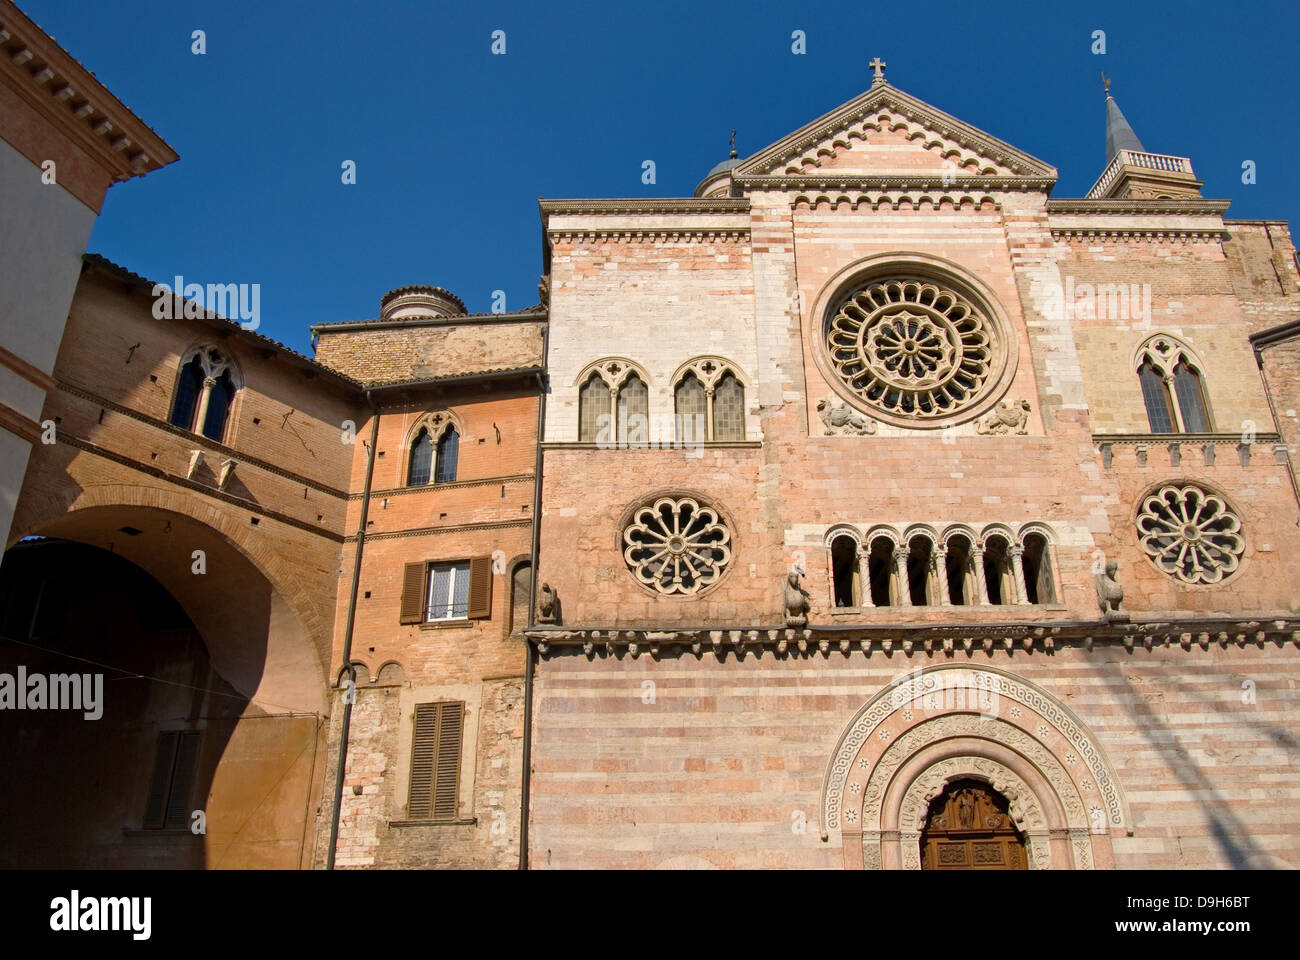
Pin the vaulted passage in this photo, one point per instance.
(203, 700)
(969, 827)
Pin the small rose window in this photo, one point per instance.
(676, 546)
(1191, 535)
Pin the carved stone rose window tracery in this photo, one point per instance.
(1191, 535)
(676, 545)
(913, 348)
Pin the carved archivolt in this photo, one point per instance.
(1053, 732)
(983, 727)
(1190, 534)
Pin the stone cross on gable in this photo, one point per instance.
(878, 66)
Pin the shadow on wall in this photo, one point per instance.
(1230, 834)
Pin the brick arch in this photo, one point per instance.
(290, 596)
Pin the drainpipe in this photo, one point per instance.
(347, 635)
(525, 786)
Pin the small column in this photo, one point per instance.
(904, 582)
(202, 416)
(981, 598)
(708, 414)
(941, 570)
(864, 578)
(1018, 565)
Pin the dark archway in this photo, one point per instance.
(112, 779)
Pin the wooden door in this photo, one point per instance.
(969, 828)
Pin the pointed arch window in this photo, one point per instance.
(1191, 399)
(710, 400)
(614, 403)
(633, 410)
(421, 459)
(593, 408)
(434, 453)
(1160, 413)
(448, 453)
(1173, 387)
(206, 385)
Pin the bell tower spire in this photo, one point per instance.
(1131, 173)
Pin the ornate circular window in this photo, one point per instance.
(1191, 535)
(915, 351)
(676, 545)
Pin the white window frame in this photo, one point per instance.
(458, 568)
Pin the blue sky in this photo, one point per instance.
(454, 145)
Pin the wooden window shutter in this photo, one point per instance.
(172, 786)
(435, 761)
(413, 599)
(179, 805)
(447, 779)
(156, 806)
(480, 588)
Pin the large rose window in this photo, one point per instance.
(913, 349)
(676, 545)
(1189, 534)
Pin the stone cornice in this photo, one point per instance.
(1139, 233)
(209, 491)
(650, 235)
(1141, 207)
(885, 96)
(1190, 438)
(802, 183)
(196, 439)
(453, 485)
(432, 531)
(931, 640)
(665, 445)
(643, 205)
(35, 67)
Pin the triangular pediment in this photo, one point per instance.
(886, 133)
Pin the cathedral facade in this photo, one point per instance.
(870, 508)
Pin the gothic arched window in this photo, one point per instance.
(421, 464)
(448, 451)
(691, 409)
(593, 408)
(710, 400)
(1169, 372)
(728, 408)
(633, 410)
(205, 390)
(1191, 399)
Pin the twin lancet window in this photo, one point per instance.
(205, 390)
(708, 403)
(433, 458)
(958, 570)
(1168, 372)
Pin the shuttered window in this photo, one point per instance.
(170, 802)
(435, 761)
(460, 590)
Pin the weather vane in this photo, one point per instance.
(733, 144)
(1105, 80)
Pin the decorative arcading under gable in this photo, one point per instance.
(1138, 234)
(873, 201)
(651, 235)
